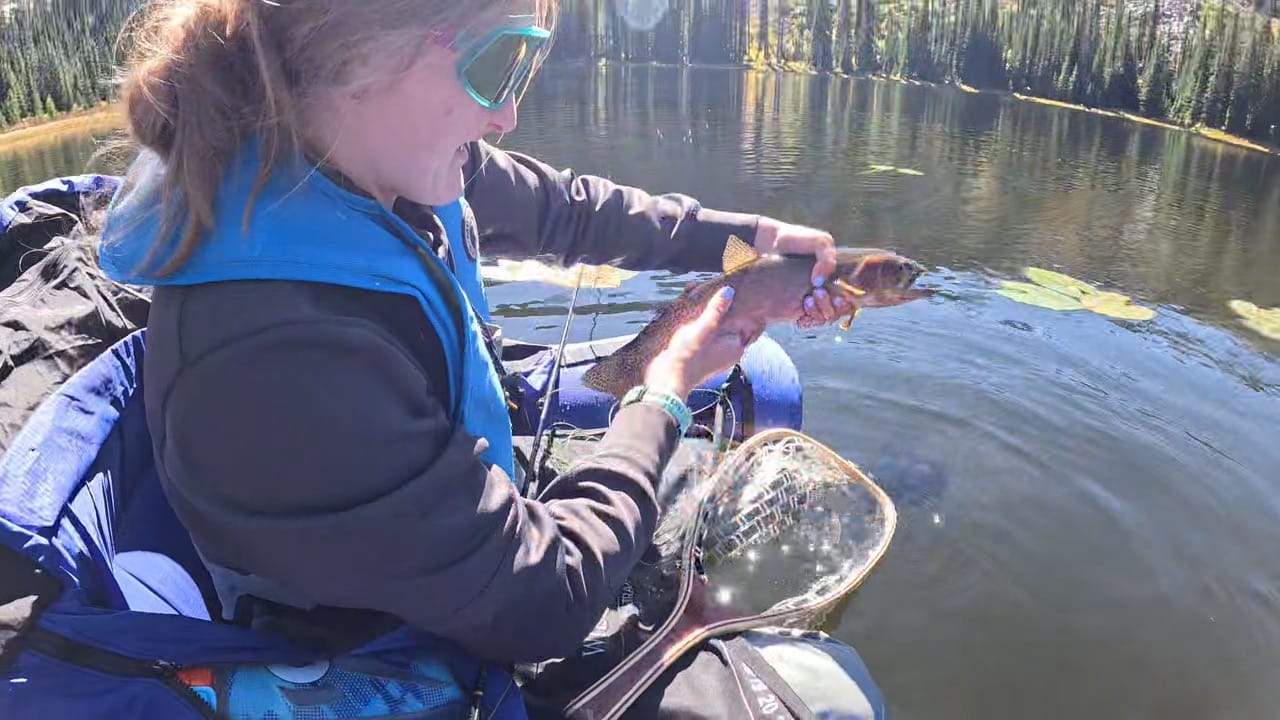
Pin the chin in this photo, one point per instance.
(439, 193)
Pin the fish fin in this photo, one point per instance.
(737, 254)
(849, 288)
(596, 378)
(620, 370)
(849, 320)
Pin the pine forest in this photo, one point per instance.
(1193, 63)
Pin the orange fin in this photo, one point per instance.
(854, 289)
(849, 320)
(738, 254)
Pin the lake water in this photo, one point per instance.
(1089, 512)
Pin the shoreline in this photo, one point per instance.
(106, 116)
(796, 67)
(98, 117)
(1199, 130)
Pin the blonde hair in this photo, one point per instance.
(203, 76)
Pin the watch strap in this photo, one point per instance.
(674, 406)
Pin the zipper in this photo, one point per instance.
(67, 650)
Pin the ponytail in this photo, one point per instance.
(205, 78)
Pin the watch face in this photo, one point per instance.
(642, 15)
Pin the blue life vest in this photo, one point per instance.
(305, 227)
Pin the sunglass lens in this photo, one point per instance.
(496, 71)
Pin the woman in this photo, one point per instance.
(323, 401)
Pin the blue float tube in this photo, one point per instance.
(762, 391)
(124, 601)
(54, 192)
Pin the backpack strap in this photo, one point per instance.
(25, 591)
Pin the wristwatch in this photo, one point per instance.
(672, 404)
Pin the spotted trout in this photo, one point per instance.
(767, 289)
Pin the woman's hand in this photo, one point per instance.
(697, 350)
(775, 236)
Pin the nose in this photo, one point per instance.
(502, 120)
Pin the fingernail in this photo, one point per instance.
(839, 302)
(819, 281)
(808, 302)
(728, 293)
(820, 294)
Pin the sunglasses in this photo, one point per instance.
(496, 65)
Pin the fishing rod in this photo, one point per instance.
(535, 459)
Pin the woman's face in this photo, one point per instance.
(406, 136)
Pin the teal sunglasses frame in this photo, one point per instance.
(519, 74)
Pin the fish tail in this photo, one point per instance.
(617, 372)
(624, 368)
(597, 376)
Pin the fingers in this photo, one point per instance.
(715, 310)
(719, 304)
(696, 331)
(823, 307)
(826, 260)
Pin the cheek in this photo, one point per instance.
(404, 135)
(440, 118)
(460, 118)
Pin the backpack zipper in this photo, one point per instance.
(67, 650)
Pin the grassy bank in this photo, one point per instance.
(102, 118)
(1202, 131)
(1209, 133)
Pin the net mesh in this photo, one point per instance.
(787, 524)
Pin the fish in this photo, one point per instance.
(768, 288)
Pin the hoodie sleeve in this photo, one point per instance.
(525, 208)
(318, 454)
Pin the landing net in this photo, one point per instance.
(788, 525)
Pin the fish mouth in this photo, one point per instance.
(911, 288)
(914, 271)
(909, 271)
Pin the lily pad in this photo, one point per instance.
(1117, 306)
(1055, 291)
(1039, 296)
(1264, 321)
(1064, 284)
(593, 276)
